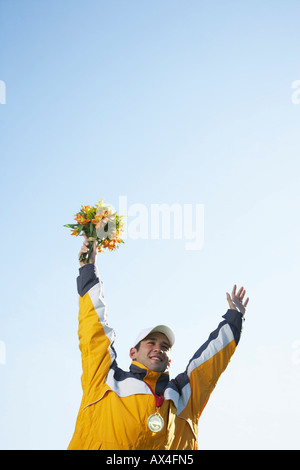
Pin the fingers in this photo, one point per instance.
(86, 244)
(231, 304)
(233, 291)
(240, 295)
(84, 248)
(91, 259)
(240, 292)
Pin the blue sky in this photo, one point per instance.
(162, 102)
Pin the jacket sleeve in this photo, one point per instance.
(192, 388)
(95, 336)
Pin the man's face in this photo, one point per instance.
(153, 353)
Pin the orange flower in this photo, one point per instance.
(81, 220)
(96, 221)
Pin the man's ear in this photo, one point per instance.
(169, 363)
(132, 353)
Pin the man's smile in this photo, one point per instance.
(156, 358)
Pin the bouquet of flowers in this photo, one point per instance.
(99, 223)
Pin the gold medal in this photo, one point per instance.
(155, 422)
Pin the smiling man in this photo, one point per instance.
(153, 347)
(143, 409)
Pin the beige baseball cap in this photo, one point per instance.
(159, 329)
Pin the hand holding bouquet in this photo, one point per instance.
(99, 224)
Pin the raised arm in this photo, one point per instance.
(95, 336)
(191, 389)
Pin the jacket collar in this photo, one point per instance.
(157, 380)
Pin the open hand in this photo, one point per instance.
(237, 298)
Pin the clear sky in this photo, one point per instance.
(161, 102)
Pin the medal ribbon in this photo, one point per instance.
(159, 399)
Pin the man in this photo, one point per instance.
(143, 409)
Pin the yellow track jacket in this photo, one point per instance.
(116, 403)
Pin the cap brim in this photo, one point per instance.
(158, 329)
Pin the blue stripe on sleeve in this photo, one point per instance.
(88, 278)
